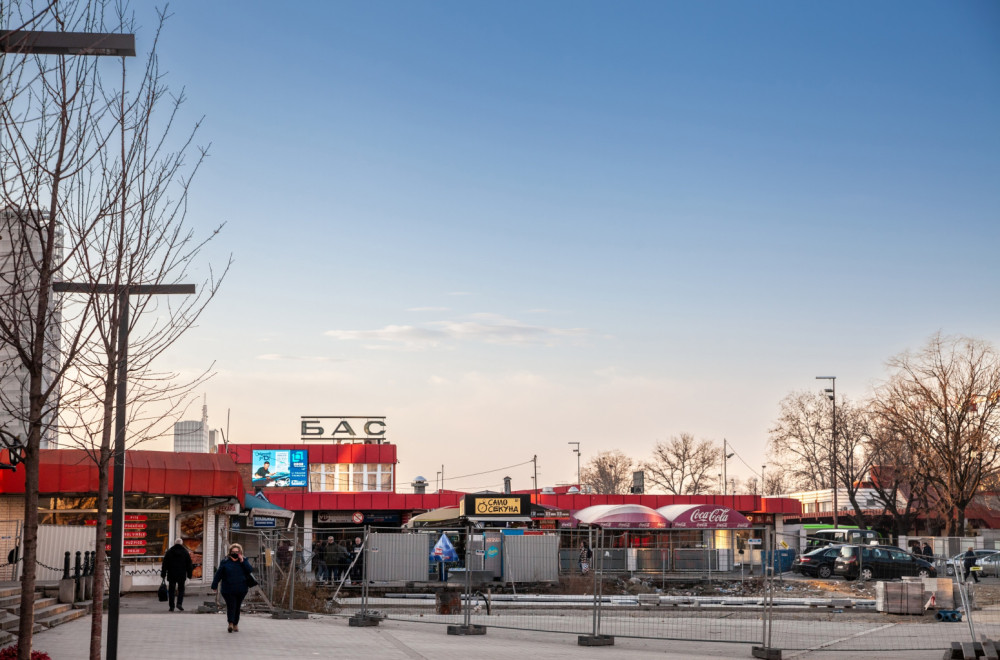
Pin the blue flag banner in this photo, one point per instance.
(444, 550)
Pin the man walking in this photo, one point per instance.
(177, 567)
(968, 562)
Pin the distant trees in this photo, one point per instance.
(943, 403)
(683, 465)
(610, 472)
(928, 439)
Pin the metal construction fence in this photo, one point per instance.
(599, 584)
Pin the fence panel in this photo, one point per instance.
(10, 550)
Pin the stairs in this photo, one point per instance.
(49, 612)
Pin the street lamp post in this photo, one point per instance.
(576, 450)
(831, 393)
(762, 481)
(725, 460)
(118, 509)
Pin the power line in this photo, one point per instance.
(476, 474)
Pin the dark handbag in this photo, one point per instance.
(251, 580)
(161, 593)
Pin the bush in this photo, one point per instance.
(10, 653)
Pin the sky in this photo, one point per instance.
(510, 226)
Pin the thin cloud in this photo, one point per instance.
(479, 328)
(459, 293)
(298, 358)
(428, 309)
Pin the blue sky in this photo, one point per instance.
(507, 226)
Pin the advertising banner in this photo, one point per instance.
(281, 468)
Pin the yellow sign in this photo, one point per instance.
(784, 545)
(497, 506)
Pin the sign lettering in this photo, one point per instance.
(341, 429)
(496, 506)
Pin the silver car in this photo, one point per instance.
(959, 559)
(990, 563)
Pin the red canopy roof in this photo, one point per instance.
(72, 471)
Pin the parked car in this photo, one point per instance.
(989, 562)
(960, 557)
(879, 562)
(818, 563)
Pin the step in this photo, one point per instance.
(7, 592)
(8, 621)
(52, 610)
(39, 604)
(60, 617)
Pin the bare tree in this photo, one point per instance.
(141, 240)
(944, 400)
(51, 118)
(774, 483)
(800, 441)
(610, 472)
(683, 465)
(94, 190)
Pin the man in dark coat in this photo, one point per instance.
(928, 552)
(968, 563)
(177, 567)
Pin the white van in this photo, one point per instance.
(840, 536)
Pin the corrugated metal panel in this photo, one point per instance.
(397, 557)
(530, 558)
(54, 541)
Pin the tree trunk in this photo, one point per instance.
(97, 621)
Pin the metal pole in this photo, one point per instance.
(835, 486)
(597, 551)
(468, 579)
(363, 555)
(725, 460)
(534, 459)
(291, 572)
(118, 508)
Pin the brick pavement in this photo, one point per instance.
(149, 632)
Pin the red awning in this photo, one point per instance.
(72, 471)
(620, 516)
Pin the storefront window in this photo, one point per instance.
(350, 478)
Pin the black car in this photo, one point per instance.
(879, 562)
(817, 563)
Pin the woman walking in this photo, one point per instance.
(234, 574)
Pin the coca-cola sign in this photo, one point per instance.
(705, 516)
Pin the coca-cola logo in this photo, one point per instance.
(713, 516)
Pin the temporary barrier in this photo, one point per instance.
(598, 584)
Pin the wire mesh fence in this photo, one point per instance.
(695, 585)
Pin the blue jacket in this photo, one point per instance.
(232, 575)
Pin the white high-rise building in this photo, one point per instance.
(19, 245)
(193, 436)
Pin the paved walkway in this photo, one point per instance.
(149, 632)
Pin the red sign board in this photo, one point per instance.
(135, 516)
(135, 525)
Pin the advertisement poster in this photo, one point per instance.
(280, 467)
(191, 530)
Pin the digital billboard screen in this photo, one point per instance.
(280, 467)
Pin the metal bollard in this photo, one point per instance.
(77, 567)
(86, 564)
(66, 566)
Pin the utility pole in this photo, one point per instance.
(534, 460)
